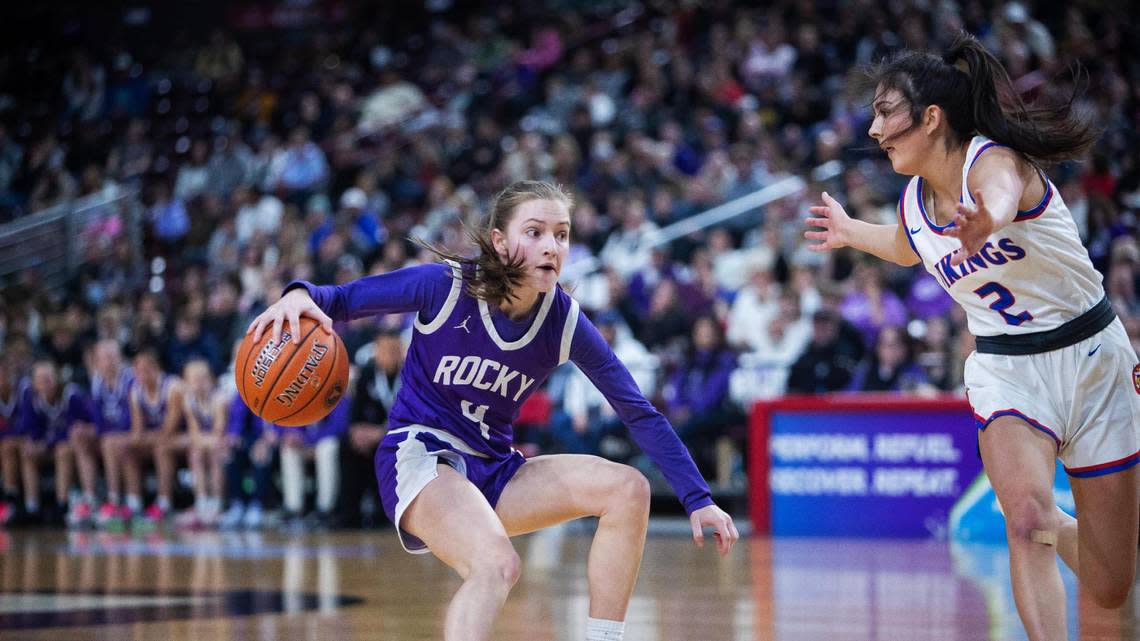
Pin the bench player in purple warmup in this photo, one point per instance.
(488, 331)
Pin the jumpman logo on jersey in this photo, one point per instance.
(463, 325)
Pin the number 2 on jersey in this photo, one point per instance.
(1005, 299)
(476, 413)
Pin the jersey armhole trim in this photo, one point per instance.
(448, 305)
(1041, 206)
(902, 221)
(568, 332)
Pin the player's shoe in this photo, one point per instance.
(113, 517)
(80, 515)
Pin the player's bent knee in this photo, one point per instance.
(1109, 596)
(504, 567)
(1031, 518)
(632, 489)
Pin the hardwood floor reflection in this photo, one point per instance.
(362, 586)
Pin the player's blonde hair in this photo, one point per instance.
(493, 279)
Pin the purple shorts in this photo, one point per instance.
(50, 438)
(406, 462)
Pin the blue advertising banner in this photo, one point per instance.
(861, 466)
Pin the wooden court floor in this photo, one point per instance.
(57, 586)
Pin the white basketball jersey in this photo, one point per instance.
(1032, 276)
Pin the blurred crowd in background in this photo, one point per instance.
(313, 140)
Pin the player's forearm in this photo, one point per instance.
(878, 240)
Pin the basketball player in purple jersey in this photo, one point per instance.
(156, 424)
(205, 409)
(1054, 374)
(11, 392)
(487, 333)
(49, 411)
(111, 382)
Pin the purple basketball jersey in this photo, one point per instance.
(50, 423)
(153, 412)
(462, 376)
(111, 400)
(203, 411)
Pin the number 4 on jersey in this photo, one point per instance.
(477, 415)
(1005, 300)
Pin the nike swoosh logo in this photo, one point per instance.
(915, 230)
(1094, 350)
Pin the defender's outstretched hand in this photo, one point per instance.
(292, 306)
(972, 227)
(724, 529)
(833, 219)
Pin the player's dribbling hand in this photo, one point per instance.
(724, 530)
(972, 227)
(833, 219)
(292, 306)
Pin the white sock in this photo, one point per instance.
(292, 479)
(163, 503)
(604, 629)
(31, 505)
(328, 473)
(113, 498)
(134, 502)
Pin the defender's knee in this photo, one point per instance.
(1109, 596)
(1032, 518)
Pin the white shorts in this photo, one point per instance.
(1085, 396)
(407, 460)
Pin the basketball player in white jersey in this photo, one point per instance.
(1054, 372)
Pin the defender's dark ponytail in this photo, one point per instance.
(975, 93)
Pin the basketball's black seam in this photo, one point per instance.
(332, 369)
(285, 366)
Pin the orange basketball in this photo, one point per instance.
(292, 384)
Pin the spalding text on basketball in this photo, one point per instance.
(316, 355)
